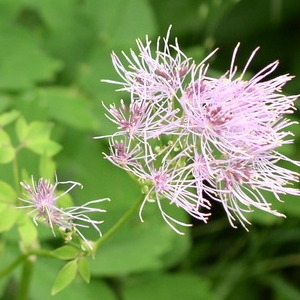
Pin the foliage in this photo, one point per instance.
(53, 55)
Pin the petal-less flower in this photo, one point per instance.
(171, 183)
(42, 199)
(223, 131)
(237, 126)
(153, 76)
(142, 119)
(237, 116)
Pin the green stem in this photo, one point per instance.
(119, 224)
(23, 293)
(13, 265)
(21, 259)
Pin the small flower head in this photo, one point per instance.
(153, 76)
(172, 183)
(143, 119)
(42, 199)
(233, 117)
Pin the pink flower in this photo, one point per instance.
(142, 119)
(236, 116)
(170, 183)
(153, 76)
(41, 198)
(122, 155)
(191, 139)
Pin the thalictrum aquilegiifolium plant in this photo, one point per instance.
(187, 138)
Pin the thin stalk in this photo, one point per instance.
(119, 224)
(23, 293)
(4, 272)
(12, 266)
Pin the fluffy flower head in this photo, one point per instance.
(192, 139)
(42, 199)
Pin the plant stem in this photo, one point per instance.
(23, 293)
(21, 259)
(13, 265)
(119, 224)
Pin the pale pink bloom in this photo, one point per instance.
(191, 139)
(122, 155)
(143, 120)
(153, 76)
(170, 183)
(237, 116)
(42, 199)
(238, 184)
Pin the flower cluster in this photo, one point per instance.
(42, 199)
(191, 139)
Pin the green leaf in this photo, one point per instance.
(8, 216)
(47, 167)
(21, 129)
(8, 117)
(66, 105)
(69, 107)
(45, 147)
(23, 62)
(66, 252)
(7, 151)
(27, 230)
(65, 276)
(7, 193)
(43, 278)
(8, 211)
(37, 131)
(37, 139)
(84, 269)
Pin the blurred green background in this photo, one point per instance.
(53, 54)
